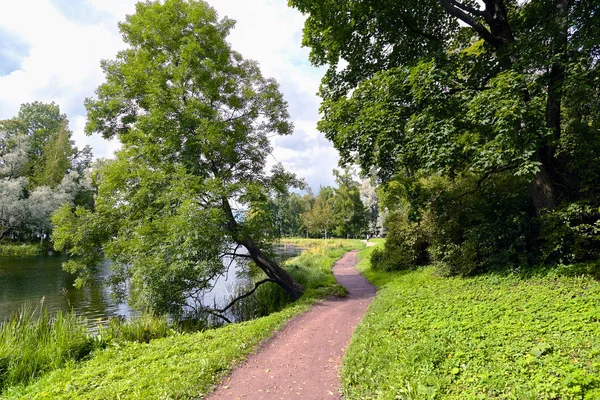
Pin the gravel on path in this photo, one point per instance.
(302, 360)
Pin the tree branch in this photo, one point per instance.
(256, 285)
(469, 9)
(418, 31)
(486, 175)
(452, 9)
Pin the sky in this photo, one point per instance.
(50, 50)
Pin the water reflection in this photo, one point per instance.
(31, 278)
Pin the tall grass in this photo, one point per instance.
(20, 250)
(33, 342)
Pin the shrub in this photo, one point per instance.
(481, 227)
(571, 234)
(406, 245)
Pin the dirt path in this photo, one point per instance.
(302, 360)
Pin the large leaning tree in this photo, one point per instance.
(194, 120)
(461, 86)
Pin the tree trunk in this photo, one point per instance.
(268, 266)
(273, 270)
(541, 190)
(4, 234)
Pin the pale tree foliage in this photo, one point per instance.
(13, 205)
(25, 212)
(370, 199)
(14, 160)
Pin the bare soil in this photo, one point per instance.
(302, 360)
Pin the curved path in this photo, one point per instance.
(302, 360)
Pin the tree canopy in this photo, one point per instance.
(483, 115)
(449, 86)
(40, 169)
(194, 117)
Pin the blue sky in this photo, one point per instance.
(50, 50)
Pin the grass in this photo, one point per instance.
(20, 249)
(501, 337)
(32, 342)
(182, 365)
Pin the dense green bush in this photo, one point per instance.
(406, 246)
(465, 225)
(571, 234)
(481, 226)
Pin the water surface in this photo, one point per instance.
(30, 279)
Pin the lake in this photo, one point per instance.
(29, 279)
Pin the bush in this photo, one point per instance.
(571, 234)
(406, 245)
(477, 228)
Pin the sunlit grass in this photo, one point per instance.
(504, 337)
(20, 249)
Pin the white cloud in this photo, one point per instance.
(62, 65)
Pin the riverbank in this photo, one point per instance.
(184, 365)
(492, 336)
(26, 249)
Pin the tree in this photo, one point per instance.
(319, 218)
(194, 118)
(368, 195)
(13, 207)
(39, 122)
(453, 87)
(56, 159)
(35, 182)
(349, 213)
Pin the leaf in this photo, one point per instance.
(540, 349)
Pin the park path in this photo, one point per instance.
(302, 360)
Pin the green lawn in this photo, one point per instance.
(183, 366)
(501, 337)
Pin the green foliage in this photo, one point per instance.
(480, 230)
(495, 336)
(338, 212)
(498, 98)
(319, 218)
(194, 118)
(406, 245)
(572, 234)
(349, 213)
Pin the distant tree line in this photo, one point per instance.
(40, 169)
(349, 210)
